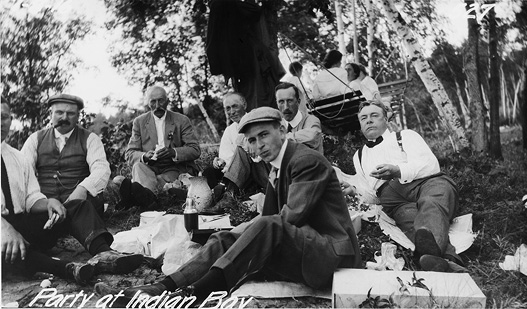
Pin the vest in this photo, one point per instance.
(59, 173)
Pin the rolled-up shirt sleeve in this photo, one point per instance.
(99, 166)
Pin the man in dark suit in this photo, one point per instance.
(162, 147)
(304, 233)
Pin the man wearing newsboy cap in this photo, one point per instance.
(69, 160)
(303, 235)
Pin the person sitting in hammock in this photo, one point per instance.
(333, 81)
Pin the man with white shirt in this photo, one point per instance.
(303, 235)
(301, 128)
(162, 147)
(70, 161)
(234, 105)
(32, 223)
(403, 172)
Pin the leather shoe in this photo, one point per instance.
(433, 263)
(115, 262)
(425, 243)
(81, 272)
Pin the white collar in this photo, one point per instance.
(277, 162)
(384, 135)
(296, 120)
(67, 135)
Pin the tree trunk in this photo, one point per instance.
(523, 106)
(370, 32)
(340, 29)
(427, 75)
(355, 38)
(206, 116)
(494, 85)
(475, 101)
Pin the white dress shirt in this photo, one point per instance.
(416, 162)
(95, 157)
(160, 128)
(23, 183)
(230, 140)
(277, 162)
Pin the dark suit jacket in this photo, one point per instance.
(309, 197)
(177, 127)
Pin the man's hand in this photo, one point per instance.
(386, 172)
(148, 156)
(218, 163)
(166, 153)
(348, 189)
(13, 244)
(56, 207)
(80, 193)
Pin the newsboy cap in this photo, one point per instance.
(261, 114)
(66, 98)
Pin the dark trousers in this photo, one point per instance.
(82, 222)
(244, 171)
(424, 203)
(270, 246)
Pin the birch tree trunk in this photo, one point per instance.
(523, 105)
(370, 32)
(427, 75)
(494, 83)
(475, 100)
(340, 29)
(207, 118)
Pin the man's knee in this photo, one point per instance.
(268, 223)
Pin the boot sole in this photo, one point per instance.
(425, 243)
(433, 263)
(85, 274)
(126, 264)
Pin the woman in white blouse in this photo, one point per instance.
(332, 81)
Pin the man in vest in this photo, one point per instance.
(162, 147)
(32, 223)
(301, 128)
(303, 234)
(403, 172)
(70, 161)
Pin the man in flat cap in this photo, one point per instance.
(70, 161)
(32, 223)
(303, 235)
(301, 128)
(162, 147)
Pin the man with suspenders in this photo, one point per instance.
(402, 171)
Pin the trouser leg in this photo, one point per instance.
(431, 203)
(437, 204)
(83, 223)
(145, 176)
(200, 263)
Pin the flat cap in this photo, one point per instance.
(66, 98)
(261, 114)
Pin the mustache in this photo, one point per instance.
(61, 122)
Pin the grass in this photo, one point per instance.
(489, 189)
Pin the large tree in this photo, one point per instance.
(477, 109)
(37, 61)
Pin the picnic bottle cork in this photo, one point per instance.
(190, 215)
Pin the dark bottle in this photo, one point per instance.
(190, 215)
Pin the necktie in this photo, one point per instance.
(273, 177)
(371, 144)
(289, 128)
(6, 190)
